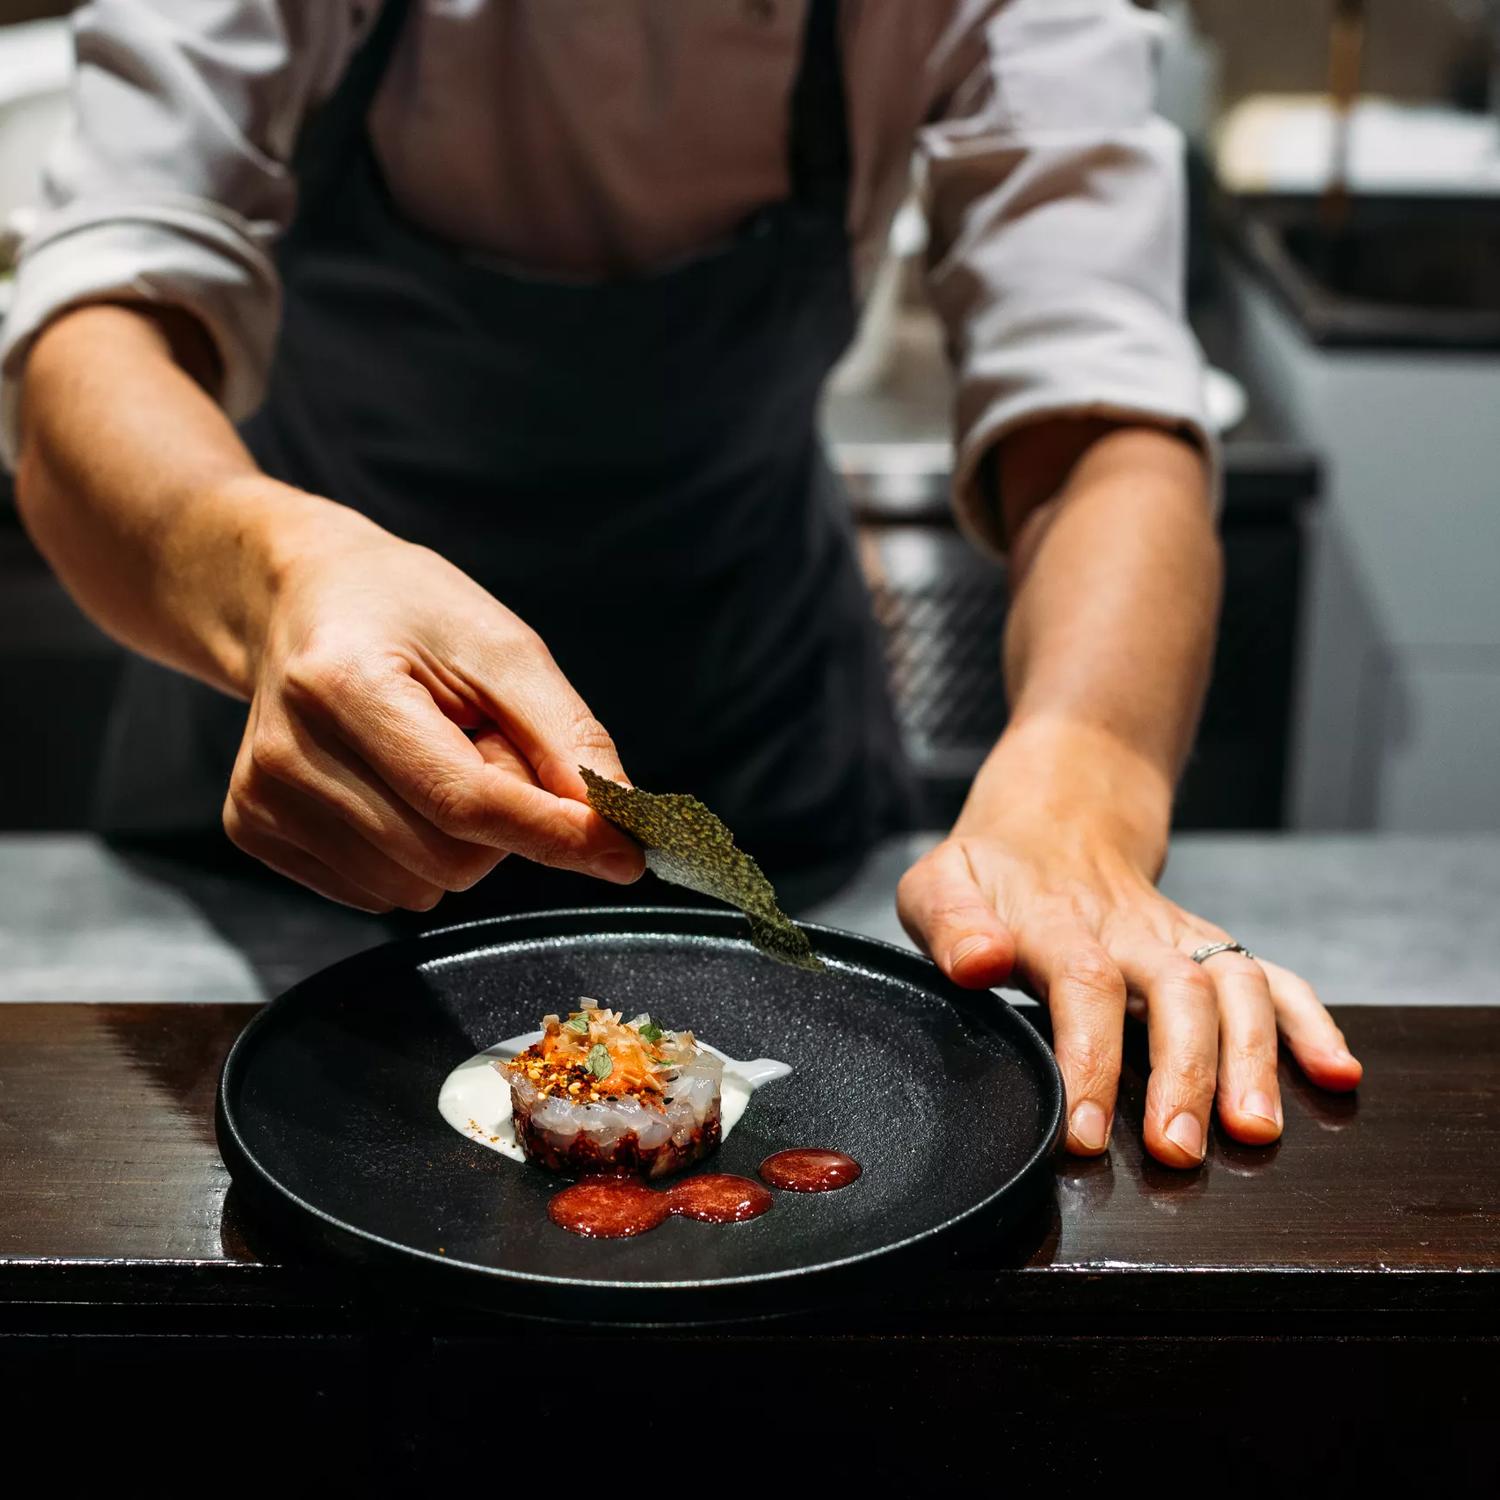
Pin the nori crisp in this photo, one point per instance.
(687, 845)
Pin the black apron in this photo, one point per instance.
(631, 465)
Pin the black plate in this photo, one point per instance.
(328, 1118)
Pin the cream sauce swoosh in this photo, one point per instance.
(475, 1096)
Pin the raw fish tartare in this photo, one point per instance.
(600, 1094)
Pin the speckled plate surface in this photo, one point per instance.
(328, 1116)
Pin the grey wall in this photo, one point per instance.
(1398, 724)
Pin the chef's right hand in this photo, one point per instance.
(407, 731)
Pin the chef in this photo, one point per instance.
(426, 391)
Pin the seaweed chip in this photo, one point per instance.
(687, 845)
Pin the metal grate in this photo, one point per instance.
(941, 608)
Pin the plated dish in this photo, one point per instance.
(599, 1094)
(477, 1098)
(327, 1118)
(624, 1105)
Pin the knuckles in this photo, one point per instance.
(1190, 1079)
(930, 875)
(587, 733)
(1235, 966)
(235, 827)
(273, 758)
(1093, 972)
(450, 804)
(325, 674)
(1090, 1064)
(457, 808)
(246, 818)
(1186, 983)
(250, 826)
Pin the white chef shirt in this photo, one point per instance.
(589, 138)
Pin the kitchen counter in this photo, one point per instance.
(1342, 1286)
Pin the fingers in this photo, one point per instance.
(948, 916)
(1249, 1095)
(539, 710)
(1241, 1003)
(285, 753)
(261, 842)
(497, 751)
(947, 913)
(1182, 1020)
(392, 723)
(1316, 1042)
(1213, 1027)
(1085, 994)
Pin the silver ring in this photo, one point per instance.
(1211, 950)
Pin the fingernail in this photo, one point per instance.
(967, 949)
(1262, 1106)
(620, 868)
(1186, 1134)
(1089, 1126)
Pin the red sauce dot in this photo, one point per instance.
(807, 1170)
(719, 1198)
(608, 1209)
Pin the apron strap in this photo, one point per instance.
(819, 149)
(333, 133)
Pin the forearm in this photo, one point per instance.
(1115, 594)
(137, 489)
(408, 730)
(1048, 881)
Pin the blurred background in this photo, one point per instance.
(1345, 283)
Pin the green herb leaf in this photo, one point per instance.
(651, 1032)
(600, 1063)
(580, 1024)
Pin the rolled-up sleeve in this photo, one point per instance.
(172, 179)
(1057, 208)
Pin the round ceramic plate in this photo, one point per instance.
(328, 1111)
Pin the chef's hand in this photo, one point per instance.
(407, 731)
(1047, 882)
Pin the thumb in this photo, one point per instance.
(621, 861)
(947, 915)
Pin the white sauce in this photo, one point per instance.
(475, 1097)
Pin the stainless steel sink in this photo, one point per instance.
(1400, 273)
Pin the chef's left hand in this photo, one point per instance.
(1047, 883)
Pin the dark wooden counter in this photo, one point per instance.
(1347, 1276)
